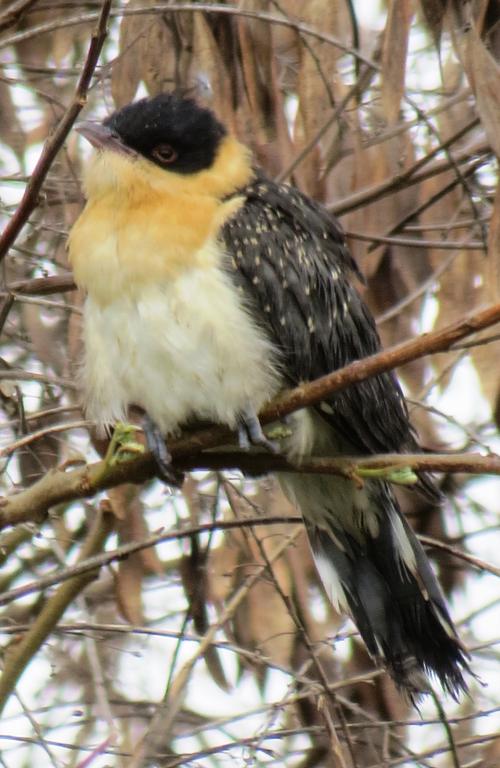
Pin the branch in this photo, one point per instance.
(408, 179)
(427, 344)
(47, 619)
(14, 12)
(95, 562)
(168, 711)
(44, 286)
(481, 565)
(58, 486)
(211, 8)
(54, 143)
(351, 467)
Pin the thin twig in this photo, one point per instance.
(481, 565)
(53, 609)
(223, 10)
(167, 714)
(401, 181)
(14, 13)
(18, 375)
(22, 442)
(32, 504)
(413, 242)
(98, 561)
(44, 286)
(54, 143)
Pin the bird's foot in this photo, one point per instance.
(279, 432)
(157, 445)
(250, 433)
(123, 446)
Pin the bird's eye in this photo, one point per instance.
(164, 154)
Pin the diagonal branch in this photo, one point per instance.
(58, 486)
(55, 141)
(95, 562)
(14, 13)
(53, 609)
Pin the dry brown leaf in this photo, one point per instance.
(255, 63)
(485, 356)
(126, 73)
(11, 131)
(215, 668)
(395, 49)
(262, 123)
(193, 574)
(263, 622)
(493, 270)
(150, 52)
(491, 755)
(484, 76)
(207, 64)
(470, 280)
(128, 590)
(195, 580)
(433, 12)
(318, 87)
(378, 694)
(131, 526)
(371, 166)
(46, 335)
(221, 570)
(270, 629)
(163, 53)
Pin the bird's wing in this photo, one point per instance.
(289, 257)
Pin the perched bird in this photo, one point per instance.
(209, 288)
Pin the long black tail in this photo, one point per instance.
(373, 567)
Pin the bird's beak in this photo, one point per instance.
(102, 137)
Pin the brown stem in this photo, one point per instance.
(47, 619)
(14, 12)
(58, 486)
(93, 563)
(54, 143)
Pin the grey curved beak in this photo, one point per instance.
(102, 137)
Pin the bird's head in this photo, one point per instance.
(167, 142)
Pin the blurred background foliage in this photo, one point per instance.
(389, 114)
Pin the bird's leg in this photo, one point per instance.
(158, 447)
(250, 432)
(122, 446)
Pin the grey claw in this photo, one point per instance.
(163, 460)
(250, 433)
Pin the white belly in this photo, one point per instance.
(182, 349)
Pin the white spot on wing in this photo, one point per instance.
(326, 408)
(402, 542)
(332, 583)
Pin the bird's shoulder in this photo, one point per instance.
(291, 226)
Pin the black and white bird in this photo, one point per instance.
(210, 288)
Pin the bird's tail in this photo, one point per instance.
(374, 568)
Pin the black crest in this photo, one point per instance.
(170, 130)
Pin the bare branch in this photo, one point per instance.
(14, 12)
(54, 143)
(53, 609)
(59, 486)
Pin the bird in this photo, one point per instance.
(210, 288)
